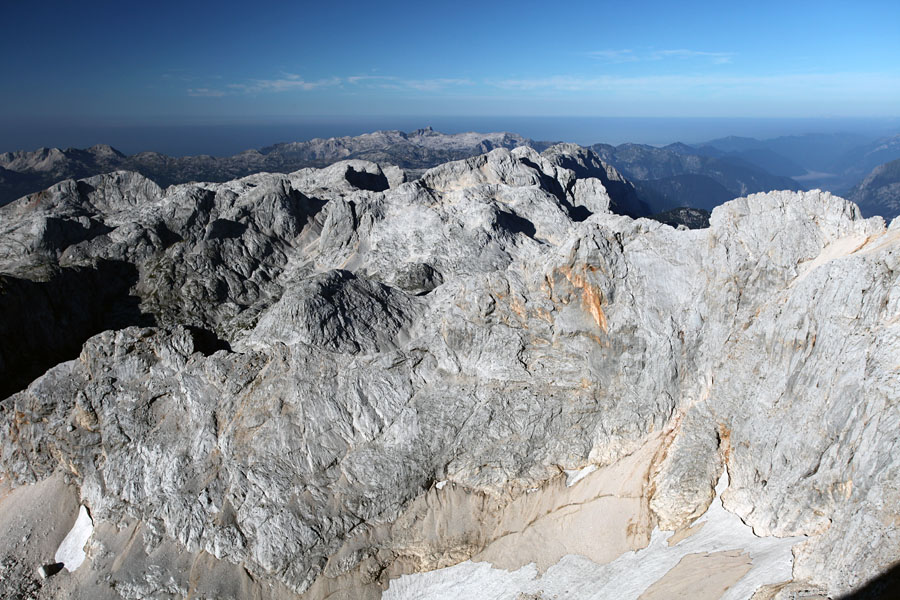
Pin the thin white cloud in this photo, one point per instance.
(293, 82)
(284, 84)
(833, 83)
(431, 85)
(370, 78)
(615, 56)
(627, 55)
(422, 85)
(683, 53)
(205, 93)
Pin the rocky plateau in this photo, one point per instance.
(488, 381)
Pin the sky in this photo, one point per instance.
(232, 60)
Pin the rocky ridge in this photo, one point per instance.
(334, 378)
(661, 178)
(24, 172)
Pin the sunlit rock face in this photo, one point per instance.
(345, 385)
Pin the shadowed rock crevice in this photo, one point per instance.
(68, 232)
(885, 586)
(515, 224)
(585, 163)
(374, 182)
(224, 229)
(47, 322)
(207, 342)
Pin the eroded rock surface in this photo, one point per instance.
(297, 361)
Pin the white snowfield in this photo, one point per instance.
(630, 575)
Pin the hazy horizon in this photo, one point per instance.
(225, 137)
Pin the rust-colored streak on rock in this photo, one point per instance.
(591, 296)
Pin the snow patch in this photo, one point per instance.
(573, 477)
(71, 551)
(625, 578)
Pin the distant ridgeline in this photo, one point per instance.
(656, 180)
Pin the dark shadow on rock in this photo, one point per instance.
(515, 223)
(166, 235)
(624, 199)
(576, 213)
(579, 213)
(547, 183)
(223, 229)
(68, 232)
(50, 569)
(884, 587)
(45, 323)
(366, 181)
(207, 342)
(418, 278)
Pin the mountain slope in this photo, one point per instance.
(332, 384)
(642, 164)
(879, 192)
(862, 159)
(413, 152)
(767, 160)
(697, 191)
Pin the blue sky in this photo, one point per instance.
(265, 59)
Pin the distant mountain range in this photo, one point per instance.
(812, 152)
(879, 192)
(656, 180)
(835, 162)
(25, 172)
(678, 175)
(868, 156)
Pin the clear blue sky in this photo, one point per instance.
(163, 59)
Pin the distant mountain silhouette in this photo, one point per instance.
(26, 172)
(864, 158)
(697, 191)
(879, 192)
(812, 151)
(673, 176)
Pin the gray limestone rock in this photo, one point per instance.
(292, 362)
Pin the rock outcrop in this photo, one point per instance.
(336, 380)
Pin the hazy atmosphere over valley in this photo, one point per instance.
(476, 301)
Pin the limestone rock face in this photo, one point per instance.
(334, 378)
